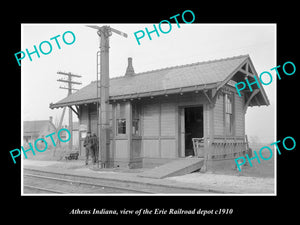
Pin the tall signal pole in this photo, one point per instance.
(69, 88)
(104, 33)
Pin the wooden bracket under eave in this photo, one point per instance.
(253, 94)
(74, 110)
(210, 100)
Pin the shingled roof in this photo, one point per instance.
(184, 78)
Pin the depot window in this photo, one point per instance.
(135, 120)
(121, 126)
(228, 101)
(120, 119)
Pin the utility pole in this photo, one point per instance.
(58, 128)
(104, 33)
(69, 88)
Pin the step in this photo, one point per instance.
(174, 168)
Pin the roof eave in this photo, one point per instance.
(194, 88)
(65, 104)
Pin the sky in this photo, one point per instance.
(188, 44)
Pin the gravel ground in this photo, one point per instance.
(208, 180)
(229, 182)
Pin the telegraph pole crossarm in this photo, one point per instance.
(67, 81)
(69, 74)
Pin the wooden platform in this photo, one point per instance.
(175, 168)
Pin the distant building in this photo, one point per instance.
(35, 129)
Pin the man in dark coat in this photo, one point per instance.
(88, 147)
(95, 148)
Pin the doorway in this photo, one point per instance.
(191, 127)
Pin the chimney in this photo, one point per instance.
(129, 70)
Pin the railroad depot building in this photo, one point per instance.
(155, 114)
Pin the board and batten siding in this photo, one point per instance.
(93, 122)
(239, 116)
(167, 119)
(219, 116)
(158, 130)
(151, 120)
(84, 116)
(167, 123)
(84, 120)
(150, 131)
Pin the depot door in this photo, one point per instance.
(191, 126)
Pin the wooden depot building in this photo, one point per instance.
(155, 114)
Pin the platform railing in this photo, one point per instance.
(220, 147)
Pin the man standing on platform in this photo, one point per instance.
(88, 146)
(95, 148)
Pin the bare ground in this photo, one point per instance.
(256, 179)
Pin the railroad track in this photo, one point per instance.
(45, 182)
(50, 184)
(39, 190)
